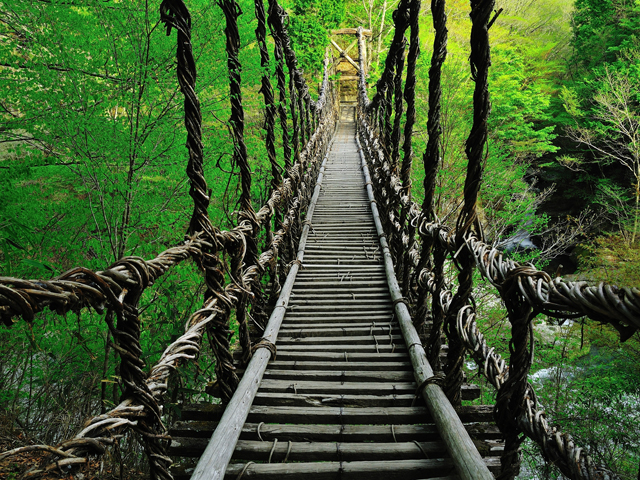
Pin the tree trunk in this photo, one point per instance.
(635, 213)
(379, 49)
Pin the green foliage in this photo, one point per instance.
(604, 28)
(591, 390)
(92, 168)
(520, 103)
(521, 127)
(309, 30)
(612, 259)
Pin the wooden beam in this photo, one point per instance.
(351, 45)
(346, 50)
(213, 463)
(465, 455)
(346, 57)
(350, 31)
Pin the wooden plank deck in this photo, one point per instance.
(339, 401)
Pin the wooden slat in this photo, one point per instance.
(467, 413)
(335, 356)
(326, 433)
(260, 450)
(336, 399)
(341, 375)
(469, 392)
(344, 365)
(385, 470)
(355, 340)
(350, 31)
(365, 388)
(317, 451)
(383, 347)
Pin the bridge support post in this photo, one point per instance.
(510, 401)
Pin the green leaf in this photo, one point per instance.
(40, 265)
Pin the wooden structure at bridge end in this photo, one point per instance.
(343, 41)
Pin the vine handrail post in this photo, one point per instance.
(407, 146)
(510, 401)
(432, 159)
(480, 60)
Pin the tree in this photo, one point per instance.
(92, 162)
(602, 29)
(309, 28)
(610, 127)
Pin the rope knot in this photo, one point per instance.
(265, 343)
(401, 300)
(437, 379)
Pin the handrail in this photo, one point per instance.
(213, 462)
(465, 455)
(525, 290)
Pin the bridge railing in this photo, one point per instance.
(117, 289)
(421, 247)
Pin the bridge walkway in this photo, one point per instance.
(339, 400)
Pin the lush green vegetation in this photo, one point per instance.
(92, 168)
(92, 163)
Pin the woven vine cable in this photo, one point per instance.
(398, 106)
(480, 60)
(307, 113)
(407, 148)
(81, 288)
(509, 401)
(387, 105)
(126, 335)
(301, 111)
(432, 159)
(175, 15)
(277, 32)
(386, 78)
(247, 256)
(281, 79)
(293, 106)
(267, 92)
(547, 295)
(277, 26)
(383, 99)
(259, 310)
(393, 149)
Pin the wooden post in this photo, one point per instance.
(465, 455)
(213, 462)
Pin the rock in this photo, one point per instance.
(547, 333)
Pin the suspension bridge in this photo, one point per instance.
(352, 340)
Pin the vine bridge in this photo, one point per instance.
(352, 339)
